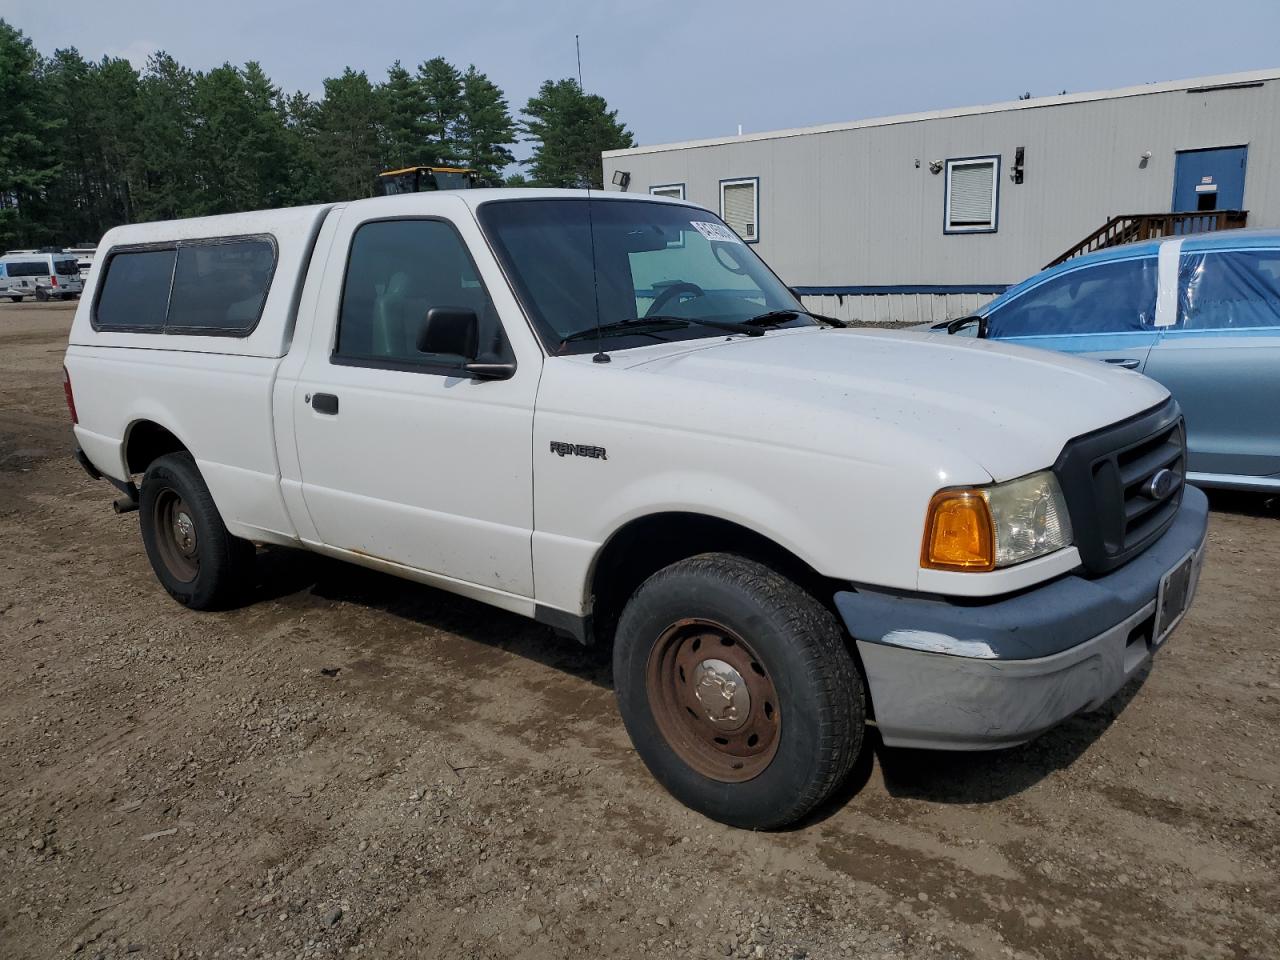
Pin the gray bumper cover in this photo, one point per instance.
(957, 676)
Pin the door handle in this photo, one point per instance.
(1129, 363)
(325, 403)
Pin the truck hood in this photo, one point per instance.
(1008, 409)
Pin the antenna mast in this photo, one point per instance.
(601, 356)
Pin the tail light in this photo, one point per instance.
(71, 398)
(53, 282)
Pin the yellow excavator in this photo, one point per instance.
(419, 179)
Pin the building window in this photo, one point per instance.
(740, 206)
(973, 195)
(673, 190)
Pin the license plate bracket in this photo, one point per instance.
(1174, 596)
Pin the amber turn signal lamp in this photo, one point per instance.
(958, 533)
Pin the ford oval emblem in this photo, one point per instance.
(1161, 485)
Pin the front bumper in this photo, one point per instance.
(956, 676)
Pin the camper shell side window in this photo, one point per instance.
(209, 287)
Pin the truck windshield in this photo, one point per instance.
(662, 261)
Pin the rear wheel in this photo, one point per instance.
(41, 294)
(737, 690)
(193, 555)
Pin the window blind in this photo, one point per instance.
(972, 196)
(739, 202)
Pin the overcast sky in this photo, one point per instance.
(684, 69)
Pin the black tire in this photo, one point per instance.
(795, 645)
(206, 571)
(41, 295)
(16, 299)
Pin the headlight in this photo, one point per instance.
(982, 528)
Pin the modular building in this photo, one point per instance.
(925, 216)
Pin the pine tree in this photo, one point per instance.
(27, 164)
(95, 145)
(570, 129)
(307, 182)
(224, 176)
(348, 135)
(164, 172)
(404, 127)
(86, 146)
(72, 192)
(441, 86)
(112, 112)
(266, 147)
(485, 127)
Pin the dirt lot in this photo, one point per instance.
(352, 765)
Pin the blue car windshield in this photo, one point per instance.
(669, 263)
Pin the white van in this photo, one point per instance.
(84, 259)
(44, 276)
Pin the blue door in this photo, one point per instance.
(1221, 360)
(1209, 179)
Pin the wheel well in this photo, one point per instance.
(646, 545)
(147, 441)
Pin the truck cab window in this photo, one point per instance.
(396, 272)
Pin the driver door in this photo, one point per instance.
(404, 458)
(1105, 311)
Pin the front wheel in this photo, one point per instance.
(193, 555)
(737, 690)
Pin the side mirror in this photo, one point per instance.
(456, 331)
(972, 326)
(452, 330)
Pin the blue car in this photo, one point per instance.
(1200, 314)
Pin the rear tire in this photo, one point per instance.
(194, 557)
(738, 691)
(41, 295)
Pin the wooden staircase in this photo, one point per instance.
(1132, 227)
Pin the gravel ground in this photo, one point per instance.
(355, 766)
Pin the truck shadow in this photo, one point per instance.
(946, 776)
(1245, 503)
(283, 573)
(937, 776)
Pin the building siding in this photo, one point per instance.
(849, 207)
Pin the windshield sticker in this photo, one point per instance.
(715, 231)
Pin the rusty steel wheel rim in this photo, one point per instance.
(176, 535)
(713, 700)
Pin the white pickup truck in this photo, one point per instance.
(605, 412)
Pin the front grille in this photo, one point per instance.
(1105, 477)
